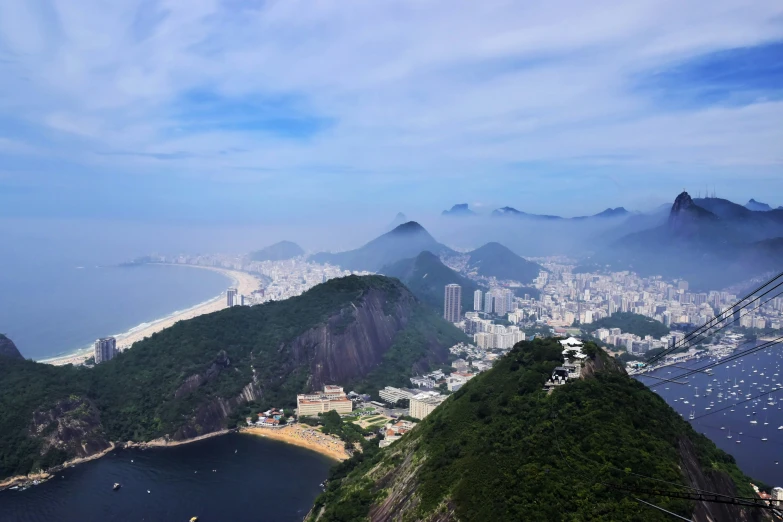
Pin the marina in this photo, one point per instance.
(737, 405)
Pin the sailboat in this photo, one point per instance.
(692, 415)
(729, 436)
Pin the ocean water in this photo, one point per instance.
(717, 417)
(254, 479)
(55, 310)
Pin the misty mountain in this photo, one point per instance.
(459, 210)
(398, 220)
(426, 276)
(757, 205)
(512, 212)
(495, 260)
(278, 252)
(406, 241)
(710, 247)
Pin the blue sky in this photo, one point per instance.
(267, 110)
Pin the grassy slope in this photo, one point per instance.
(501, 449)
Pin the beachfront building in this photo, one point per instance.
(424, 403)
(231, 297)
(392, 395)
(332, 398)
(105, 349)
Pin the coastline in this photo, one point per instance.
(294, 434)
(243, 281)
(305, 437)
(43, 476)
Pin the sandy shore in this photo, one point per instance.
(244, 282)
(306, 437)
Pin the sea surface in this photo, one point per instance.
(50, 309)
(234, 477)
(719, 417)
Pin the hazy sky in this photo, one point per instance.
(265, 110)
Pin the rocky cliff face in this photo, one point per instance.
(353, 342)
(8, 348)
(73, 426)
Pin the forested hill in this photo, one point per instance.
(426, 276)
(628, 322)
(502, 449)
(198, 375)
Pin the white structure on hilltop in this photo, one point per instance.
(572, 349)
(424, 403)
(452, 304)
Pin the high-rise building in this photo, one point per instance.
(231, 294)
(105, 349)
(477, 295)
(488, 302)
(452, 305)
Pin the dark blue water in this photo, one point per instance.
(264, 480)
(754, 374)
(52, 308)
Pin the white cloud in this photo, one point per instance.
(442, 87)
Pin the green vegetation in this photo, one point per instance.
(142, 394)
(426, 276)
(631, 323)
(502, 449)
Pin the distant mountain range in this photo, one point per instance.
(426, 276)
(405, 241)
(514, 213)
(410, 239)
(278, 252)
(710, 242)
(459, 210)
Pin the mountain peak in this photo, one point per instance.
(612, 212)
(460, 209)
(8, 348)
(757, 205)
(408, 228)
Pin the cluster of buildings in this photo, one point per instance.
(490, 336)
(272, 418)
(497, 301)
(584, 298)
(332, 398)
(394, 431)
(105, 349)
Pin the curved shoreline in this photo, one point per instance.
(243, 281)
(294, 434)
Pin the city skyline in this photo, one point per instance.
(190, 112)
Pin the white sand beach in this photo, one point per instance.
(244, 283)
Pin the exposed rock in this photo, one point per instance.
(73, 425)
(8, 348)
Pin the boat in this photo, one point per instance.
(692, 415)
(754, 422)
(193, 519)
(764, 439)
(116, 486)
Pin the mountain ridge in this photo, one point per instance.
(405, 241)
(199, 375)
(280, 251)
(501, 448)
